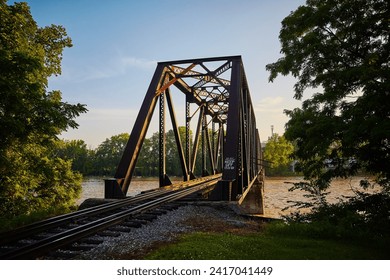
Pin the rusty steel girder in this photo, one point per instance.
(218, 89)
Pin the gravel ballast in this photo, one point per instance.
(138, 242)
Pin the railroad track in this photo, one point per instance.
(41, 238)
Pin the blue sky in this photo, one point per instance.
(117, 44)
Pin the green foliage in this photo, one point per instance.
(77, 152)
(340, 48)
(7, 224)
(364, 215)
(109, 153)
(32, 177)
(34, 180)
(277, 154)
(104, 160)
(148, 160)
(29, 55)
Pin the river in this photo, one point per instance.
(276, 194)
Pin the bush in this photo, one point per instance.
(365, 215)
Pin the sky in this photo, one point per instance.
(117, 44)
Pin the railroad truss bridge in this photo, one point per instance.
(218, 104)
(217, 97)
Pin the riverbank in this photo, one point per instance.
(276, 193)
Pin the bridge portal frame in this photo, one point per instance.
(233, 150)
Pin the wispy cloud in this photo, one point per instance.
(133, 62)
(108, 114)
(114, 66)
(270, 105)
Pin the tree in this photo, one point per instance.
(77, 152)
(341, 49)
(31, 177)
(109, 153)
(29, 55)
(148, 159)
(277, 154)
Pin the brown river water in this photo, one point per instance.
(276, 194)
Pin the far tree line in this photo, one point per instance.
(104, 160)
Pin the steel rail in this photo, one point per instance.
(45, 245)
(19, 233)
(23, 232)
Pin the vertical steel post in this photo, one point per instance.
(240, 159)
(244, 143)
(222, 147)
(218, 149)
(176, 132)
(213, 147)
(164, 179)
(161, 139)
(210, 150)
(188, 139)
(196, 141)
(203, 151)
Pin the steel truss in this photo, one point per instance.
(226, 127)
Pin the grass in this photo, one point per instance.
(277, 242)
